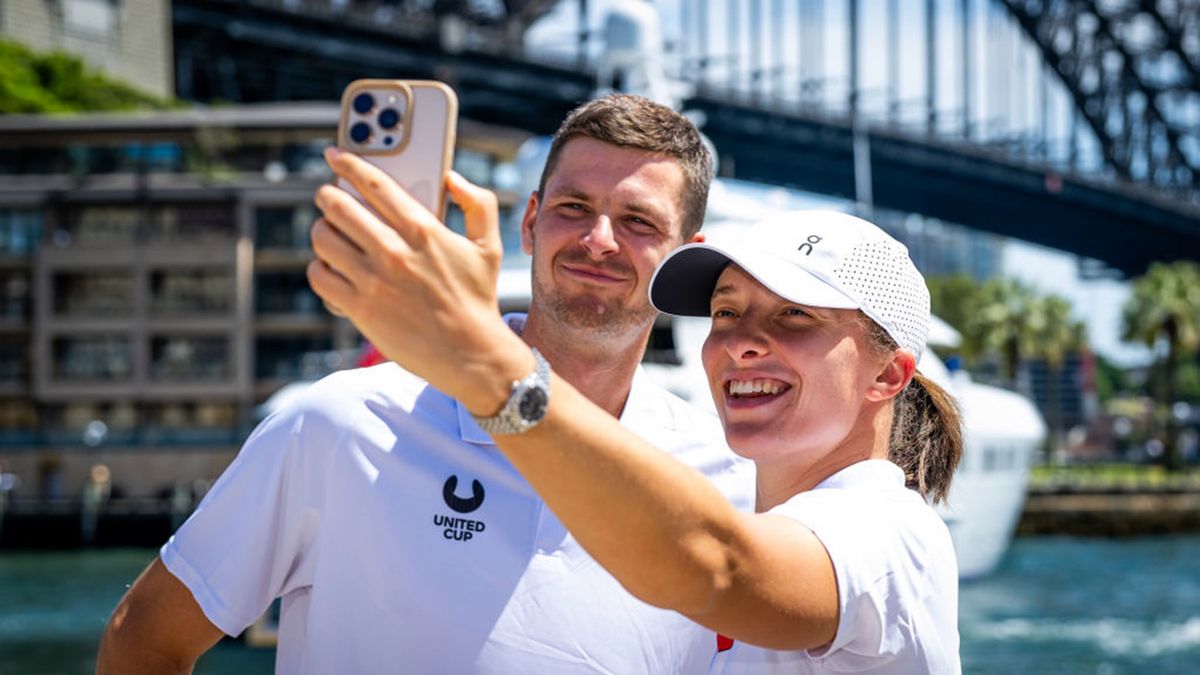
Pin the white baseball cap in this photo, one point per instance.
(815, 258)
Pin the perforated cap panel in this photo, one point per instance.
(892, 292)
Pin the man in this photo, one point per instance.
(377, 508)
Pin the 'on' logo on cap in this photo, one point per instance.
(807, 247)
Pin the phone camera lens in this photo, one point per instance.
(360, 132)
(389, 118)
(363, 103)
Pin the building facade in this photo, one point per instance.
(129, 40)
(153, 290)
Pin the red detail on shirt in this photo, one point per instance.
(370, 357)
(724, 644)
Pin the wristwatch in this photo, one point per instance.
(526, 405)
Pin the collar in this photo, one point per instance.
(867, 473)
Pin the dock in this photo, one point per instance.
(1114, 514)
(1114, 502)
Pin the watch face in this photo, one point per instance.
(533, 404)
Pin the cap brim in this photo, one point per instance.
(684, 282)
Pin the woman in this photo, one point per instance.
(818, 320)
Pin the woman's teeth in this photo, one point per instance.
(738, 388)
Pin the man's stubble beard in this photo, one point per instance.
(605, 317)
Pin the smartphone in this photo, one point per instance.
(405, 127)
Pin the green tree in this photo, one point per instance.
(1111, 379)
(955, 299)
(1163, 312)
(999, 323)
(1012, 320)
(1053, 334)
(60, 83)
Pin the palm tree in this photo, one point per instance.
(1164, 309)
(1053, 335)
(999, 323)
(955, 299)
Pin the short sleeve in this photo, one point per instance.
(868, 554)
(247, 542)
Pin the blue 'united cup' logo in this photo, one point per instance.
(460, 504)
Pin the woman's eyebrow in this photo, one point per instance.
(727, 289)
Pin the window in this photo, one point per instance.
(18, 415)
(282, 357)
(90, 18)
(661, 347)
(93, 294)
(92, 359)
(20, 230)
(189, 223)
(283, 226)
(186, 422)
(14, 359)
(191, 292)
(34, 161)
(104, 225)
(120, 416)
(189, 358)
(14, 295)
(285, 293)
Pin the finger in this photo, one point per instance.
(481, 210)
(333, 289)
(355, 221)
(397, 207)
(338, 252)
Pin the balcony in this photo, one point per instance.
(189, 359)
(94, 359)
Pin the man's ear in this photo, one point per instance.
(697, 238)
(893, 376)
(527, 221)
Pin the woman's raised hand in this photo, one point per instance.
(422, 294)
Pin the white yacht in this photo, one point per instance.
(1002, 431)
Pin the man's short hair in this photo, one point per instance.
(640, 123)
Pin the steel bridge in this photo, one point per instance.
(1067, 123)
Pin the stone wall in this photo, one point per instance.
(1111, 514)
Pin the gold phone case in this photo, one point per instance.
(418, 150)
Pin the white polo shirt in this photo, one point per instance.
(897, 581)
(402, 541)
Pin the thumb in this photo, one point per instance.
(481, 209)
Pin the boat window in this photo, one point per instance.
(661, 347)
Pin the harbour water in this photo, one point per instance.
(1071, 606)
(1057, 605)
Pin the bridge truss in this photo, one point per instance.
(1130, 68)
(1133, 69)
